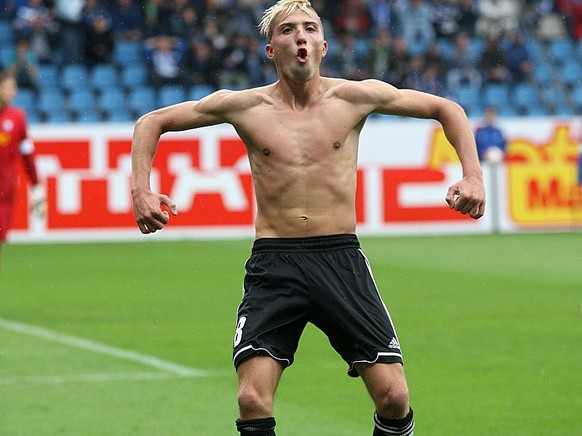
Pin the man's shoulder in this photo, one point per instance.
(229, 100)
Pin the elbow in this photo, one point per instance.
(151, 121)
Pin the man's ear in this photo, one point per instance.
(325, 48)
(270, 52)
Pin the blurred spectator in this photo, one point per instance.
(353, 17)
(242, 18)
(165, 54)
(33, 21)
(398, 62)
(490, 139)
(352, 63)
(497, 18)
(186, 24)
(467, 17)
(69, 15)
(462, 70)
(260, 70)
(432, 81)
(493, 62)
(233, 73)
(201, 67)
(98, 36)
(572, 10)
(433, 58)
(379, 55)
(417, 25)
(24, 67)
(414, 73)
(126, 20)
(519, 61)
(445, 18)
(384, 16)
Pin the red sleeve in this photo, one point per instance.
(30, 166)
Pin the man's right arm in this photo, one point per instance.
(148, 129)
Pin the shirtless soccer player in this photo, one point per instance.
(301, 135)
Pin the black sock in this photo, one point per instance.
(394, 427)
(256, 427)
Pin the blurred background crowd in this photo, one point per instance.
(113, 60)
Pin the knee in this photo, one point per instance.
(392, 401)
(253, 404)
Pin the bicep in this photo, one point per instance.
(406, 102)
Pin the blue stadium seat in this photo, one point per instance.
(142, 100)
(57, 117)
(467, 95)
(127, 52)
(82, 99)
(112, 99)
(554, 96)
(119, 115)
(526, 95)
(577, 97)
(542, 73)
(171, 94)
(51, 100)
(74, 76)
(103, 76)
(537, 111)
(48, 76)
(198, 92)
(7, 54)
(6, 32)
(134, 75)
(560, 50)
(496, 94)
(25, 99)
(90, 115)
(571, 72)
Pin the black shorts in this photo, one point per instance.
(325, 280)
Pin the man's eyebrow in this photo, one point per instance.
(293, 24)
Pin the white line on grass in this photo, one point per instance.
(58, 379)
(96, 347)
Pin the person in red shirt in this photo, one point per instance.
(14, 146)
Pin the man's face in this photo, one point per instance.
(297, 46)
(8, 90)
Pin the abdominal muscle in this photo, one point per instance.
(303, 206)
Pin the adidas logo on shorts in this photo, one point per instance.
(394, 344)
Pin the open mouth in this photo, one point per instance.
(302, 55)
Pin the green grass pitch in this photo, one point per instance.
(135, 339)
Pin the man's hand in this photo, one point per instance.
(147, 208)
(468, 197)
(37, 203)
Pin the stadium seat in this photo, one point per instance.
(7, 54)
(526, 95)
(134, 75)
(103, 76)
(50, 101)
(119, 115)
(467, 95)
(112, 99)
(496, 94)
(571, 72)
(74, 76)
(81, 99)
(554, 96)
(171, 94)
(577, 97)
(142, 100)
(537, 111)
(542, 74)
(6, 32)
(56, 117)
(560, 50)
(48, 76)
(198, 92)
(25, 99)
(127, 52)
(88, 116)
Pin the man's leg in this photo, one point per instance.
(258, 377)
(387, 386)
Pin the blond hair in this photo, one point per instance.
(284, 7)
